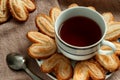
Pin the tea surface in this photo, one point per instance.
(80, 31)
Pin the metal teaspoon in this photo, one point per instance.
(16, 61)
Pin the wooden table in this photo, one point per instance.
(13, 35)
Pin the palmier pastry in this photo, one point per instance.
(109, 62)
(46, 23)
(58, 64)
(54, 13)
(113, 32)
(92, 8)
(43, 47)
(20, 9)
(85, 70)
(113, 28)
(29, 4)
(4, 13)
(108, 17)
(76, 5)
(73, 5)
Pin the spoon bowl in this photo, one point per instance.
(16, 61)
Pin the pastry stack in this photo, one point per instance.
(45, 49)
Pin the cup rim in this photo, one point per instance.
(79, 47)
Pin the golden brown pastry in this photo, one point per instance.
(45, 24)
(4, 12)
(43, 47)
(108, 17)
(76, 5)
(58, 64)
(20, 9)
(109, 62)
(54, 13)
(113, 31)
(113, 27)
(81, 72)
(85, 70)
(92, 8)
(29, 4)
(73, 5)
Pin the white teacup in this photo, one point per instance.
(84, 52)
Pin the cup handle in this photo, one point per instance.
(106, 52)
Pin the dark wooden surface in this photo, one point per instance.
(13, 35)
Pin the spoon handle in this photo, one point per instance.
(34, 77)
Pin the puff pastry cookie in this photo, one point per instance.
(4, 12)
(109, 62)
(54, 13)
(76, 5)
(43, 45)
(46, 23)
(20, 8)
(108, 17)
(113, 32)
(73, 5)
(113, 27)
(58, 64)
(85, 69)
